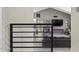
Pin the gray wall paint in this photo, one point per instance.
(0, 29)
(75, 30)
(14, 15)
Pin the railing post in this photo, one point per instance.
(11, 38)
(52, 36)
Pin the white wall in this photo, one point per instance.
(0, 29)
(74, 30)
(14, 15)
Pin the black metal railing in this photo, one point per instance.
(46, 39)
(33, 26)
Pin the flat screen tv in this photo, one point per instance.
(57, 22)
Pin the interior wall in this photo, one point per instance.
(0, 29)
(14, 15)
(74, 30)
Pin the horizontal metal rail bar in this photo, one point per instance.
(31, 37)
(29, 27)
(32, 24)
(25, 27)
(41, 37)
(29, 32)
(28, 42)
(28, 47)
(59, 38)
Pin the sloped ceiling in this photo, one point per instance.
(62, 9)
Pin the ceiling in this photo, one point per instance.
(63, 9)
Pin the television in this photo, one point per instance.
(57, 22)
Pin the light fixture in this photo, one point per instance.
(34, 20)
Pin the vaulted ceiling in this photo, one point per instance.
(62, 9)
